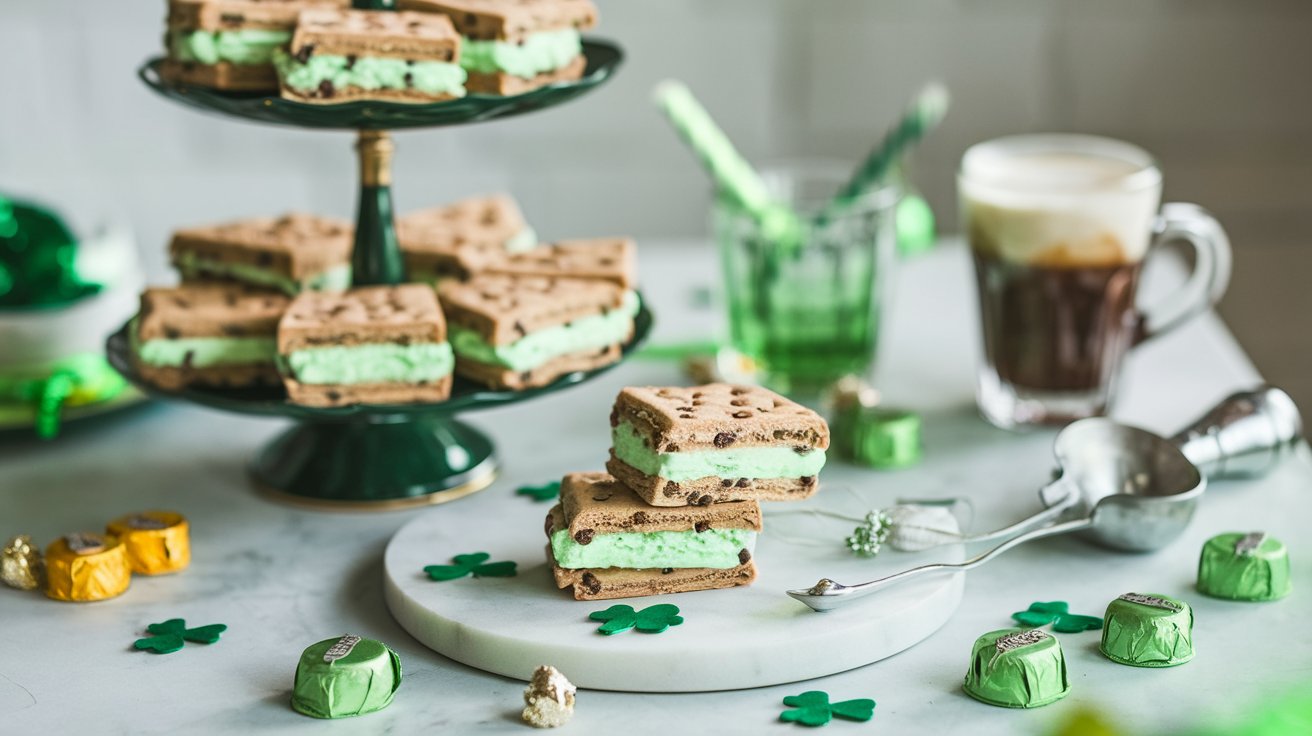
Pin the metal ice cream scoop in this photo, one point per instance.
(1124, 487)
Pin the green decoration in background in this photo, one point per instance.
(345, 676)
(475, 563)
(1017, 668)
(679, 351)
(1058, 614)
(546, 492)
(1149, 630)
(1244, 567)
(1282, 714)
(74, 381)
(915, 225)
(650, 620)
(38, 258)
(168, 637)
(812, 708)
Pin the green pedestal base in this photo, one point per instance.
(376, 462)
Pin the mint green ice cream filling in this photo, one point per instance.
(372, 363)
(337, 278)
(541, 52)
(743, 462)
(522, 241)
(714, 548)
(207, 351)
(593, 332)
(245, 47)
(370, 73)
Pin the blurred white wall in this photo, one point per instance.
(1216, 88)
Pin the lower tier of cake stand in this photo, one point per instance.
(376, 462)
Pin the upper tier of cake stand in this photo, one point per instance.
(603, 58)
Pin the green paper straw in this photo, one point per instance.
(727, 168)
(678, 350)
(924, 114)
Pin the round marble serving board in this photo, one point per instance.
(730, 639)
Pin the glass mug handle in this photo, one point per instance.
(1204, 287)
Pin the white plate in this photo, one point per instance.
(735, 638)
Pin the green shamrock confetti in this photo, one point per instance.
(168, 637)
(545, 492)
(650, 620)
(1058, 614)
(812, 708)
(475, 563)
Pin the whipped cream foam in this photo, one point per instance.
(1060, 201)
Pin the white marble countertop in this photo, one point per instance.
(283, 578)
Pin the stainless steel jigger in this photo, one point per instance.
(1124, 487)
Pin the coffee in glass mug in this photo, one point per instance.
(1059, 227)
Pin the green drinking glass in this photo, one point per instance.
(806, 311)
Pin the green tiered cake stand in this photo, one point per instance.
(374, 456)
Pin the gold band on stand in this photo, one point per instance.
(376, 148)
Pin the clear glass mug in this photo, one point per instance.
(807, 316)
(1059, 227)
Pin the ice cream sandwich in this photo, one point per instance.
(514, 46)
(606, 542)
(715, 443)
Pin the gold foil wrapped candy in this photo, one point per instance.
(86, 567)
(157, 542)
(21, 566)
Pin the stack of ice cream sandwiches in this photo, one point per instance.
(680, 508)
(268, 302)
(325, 52)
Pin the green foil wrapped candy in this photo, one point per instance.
(1148, 631)
(1244, 567)
(345, 676)
(1017, 668)
(877, 437)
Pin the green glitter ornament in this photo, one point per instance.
(38, 256)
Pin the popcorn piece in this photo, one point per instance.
(549, 699)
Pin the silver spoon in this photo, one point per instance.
(1127, 488)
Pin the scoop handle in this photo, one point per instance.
(1244, 436)
(836, 595)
